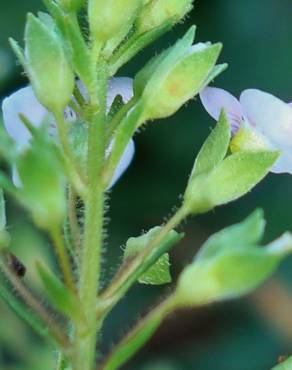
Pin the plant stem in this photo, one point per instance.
(128, 275)
(73, 221)
(63, 258)
(92, 244)
(137, 337)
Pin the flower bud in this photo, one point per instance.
(218, 178)
(46, 63)
(111, 17)
(231, 263)
(42, 180)
(157, 12)
(175, 76)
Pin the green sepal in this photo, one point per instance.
(155, 13)
(161, 62)
(231, 269)
(175, 76)
(216, 71)
(228, 181)
(159, 272)
(215, 147)
(53, 88)
(60, 297)
(246, 233)
(108, 19)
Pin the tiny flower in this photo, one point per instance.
(259, 121)
(25, 102)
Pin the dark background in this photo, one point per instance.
(249, 334)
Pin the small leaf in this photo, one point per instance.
(63, 299)
(215, 147)
(246, 233)
(159, 272)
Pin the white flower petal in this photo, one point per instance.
(214, 99)
(124, 162)
(283, 164)
(269, 115)
(119, 86)
(22, 101)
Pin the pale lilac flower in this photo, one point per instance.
(267, 118)
(24, 101)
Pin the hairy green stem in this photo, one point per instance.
(138, 336)
(94, 208)
(63, 258)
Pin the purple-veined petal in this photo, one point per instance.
(269, 115)
(124, 162)
(214, 99)
(23, 101)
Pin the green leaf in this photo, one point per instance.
(63, 299)
(231, 273)
(159, 272)
(244, 234)
(230, 180)
(215, 147)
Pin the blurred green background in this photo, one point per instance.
(249, 334)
